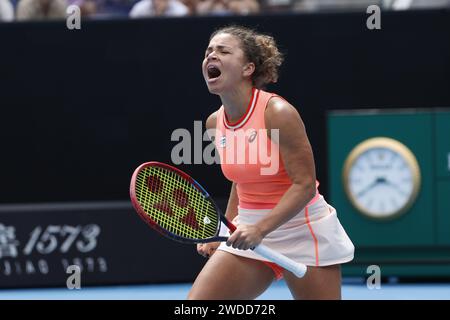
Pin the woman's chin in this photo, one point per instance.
(214, 89)
(216, 85)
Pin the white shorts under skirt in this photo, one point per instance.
(314, 236)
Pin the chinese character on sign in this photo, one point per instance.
(8, 242)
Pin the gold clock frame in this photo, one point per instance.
(396, 146)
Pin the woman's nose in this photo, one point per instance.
(212, 56)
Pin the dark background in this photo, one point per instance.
(80, 109)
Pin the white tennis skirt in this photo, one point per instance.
(314, 236)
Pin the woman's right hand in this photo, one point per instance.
(207, 249)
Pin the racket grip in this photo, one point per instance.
(299, 269)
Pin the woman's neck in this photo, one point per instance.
(236, 102)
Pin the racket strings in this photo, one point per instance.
(175, 205)
(155, 203)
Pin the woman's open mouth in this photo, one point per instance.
(213, 73)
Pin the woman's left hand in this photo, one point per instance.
(245, 237)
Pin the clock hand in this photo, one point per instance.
(369, 187)
(394, 186)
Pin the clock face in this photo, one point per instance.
(381, 177)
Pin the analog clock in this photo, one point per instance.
(381, 177)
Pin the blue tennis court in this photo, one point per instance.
(351, 290)
(314, 125)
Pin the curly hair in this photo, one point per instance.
(261, 49)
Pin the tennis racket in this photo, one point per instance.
(178, 207)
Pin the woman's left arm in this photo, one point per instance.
(297, 156)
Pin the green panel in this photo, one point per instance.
(345, 131)
(401, 262)
(443, 211)
(442, 134)
(427, 271)
(403, 255)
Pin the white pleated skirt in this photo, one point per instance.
(314, 236)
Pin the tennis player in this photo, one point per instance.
(283, 209)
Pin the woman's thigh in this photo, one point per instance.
(319, 283)
(227, 276)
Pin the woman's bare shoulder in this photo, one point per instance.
(279, 112)
(212, 120)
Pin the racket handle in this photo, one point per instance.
(299, 269)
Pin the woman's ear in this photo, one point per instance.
(249, 68)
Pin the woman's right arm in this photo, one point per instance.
(207, 249)
(232, 206)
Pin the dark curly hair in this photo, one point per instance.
(260, 49)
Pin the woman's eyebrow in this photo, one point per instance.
(220, 47)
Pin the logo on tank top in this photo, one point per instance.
(223, 142)
(252, 136)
